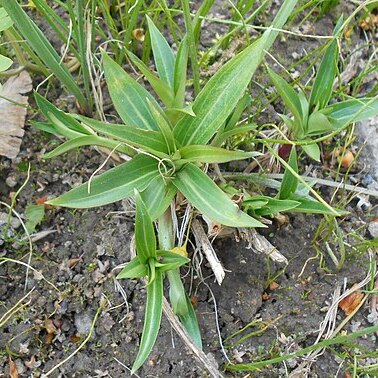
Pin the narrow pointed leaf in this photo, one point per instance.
(208, 198)
(134, 269)
(165, 128)
(129, 97)
(346, 112)
(158, 196)
(152, 319)
(322, 89)
(220, 95)
(163, 55)
(168, 260)
(177, 293)
(210, 154)
(289, 182)
(160, 87)
(149, 140)
(66, 120)
(180, 72)
(288, 95)
(190, 323)
(87, 140)
(145, 238)
(115, 184)
(311, 206)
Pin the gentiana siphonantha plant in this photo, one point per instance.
(168, 147)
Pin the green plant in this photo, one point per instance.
(168, 148)
(315, 115)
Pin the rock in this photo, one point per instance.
(373, 228)
(11, 181)
(83, 322)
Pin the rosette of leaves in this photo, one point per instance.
(168, 146)
(316, 115)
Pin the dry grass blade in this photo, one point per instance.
(13, 106)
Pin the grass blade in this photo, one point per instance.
(209, 199)
(43, 49)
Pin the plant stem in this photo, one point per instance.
(192, 46)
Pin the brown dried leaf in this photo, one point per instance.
(350, 303)
(13, 372)
(12, 116)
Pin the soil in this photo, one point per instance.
(73, 276)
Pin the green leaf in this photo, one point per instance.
(190, 323)
(322, 89)
(168, 260)
(180, 72)
(210, 154)
(5, 63)
(158, 196)
(177, 294)
(152, 319)
(163, 55)
(209, 199)
(129, 97)
(271, 206)
(87, 140)
(165, 128)
(346, 112)
(220, 95)
(222, 137)
(318, 123)
(134, 269)
(289, 182)
(311, 206)
(312, 150)
(288, 95)
(237, 113)
(34, 216)
(160, 87)
(148, 140)
(42, 47)
(115, 184)
(5, 21)
(145, 238)
(66, 122)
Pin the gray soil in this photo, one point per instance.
(74, 276)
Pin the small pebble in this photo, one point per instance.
(11, 181)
